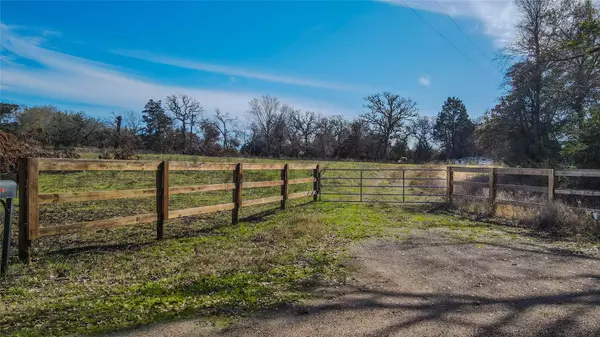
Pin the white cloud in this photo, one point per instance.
(425, 81)
(239, 72)
(78, 80)
(499, 17)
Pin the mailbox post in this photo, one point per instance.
(8, 191)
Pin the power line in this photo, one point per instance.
(462, 31)
(443, 37)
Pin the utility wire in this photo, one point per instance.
(443, 37)
(460, 28)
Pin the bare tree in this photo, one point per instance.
(186, 110)
(305, 124)
(422, 130)
(132, 121)
(387, 114)
(227, 127)
(267, 115)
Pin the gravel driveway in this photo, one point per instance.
(433, 284)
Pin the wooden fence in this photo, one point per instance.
(549, 191)
(30, 199)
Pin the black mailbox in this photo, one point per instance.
(8, 189)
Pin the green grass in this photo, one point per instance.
(120, 278)
(102, 281)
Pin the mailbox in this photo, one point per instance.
(8, 189)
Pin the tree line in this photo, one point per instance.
(548, 114)
(389, 130)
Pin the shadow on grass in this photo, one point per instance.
(138, 238)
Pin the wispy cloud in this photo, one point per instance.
(62, 77)
(425, 81)
(498, 17)
(237, 72)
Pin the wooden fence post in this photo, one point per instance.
(361, 185)
(551, 179)
(238, 175)
(492, 190)
(284, 187)
(162, 197)
(450, 187)
(28, 206)
(316, 183)
(403, 184)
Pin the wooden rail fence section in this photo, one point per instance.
(549, 190)
(30, 198)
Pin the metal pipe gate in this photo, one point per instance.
(409, 184)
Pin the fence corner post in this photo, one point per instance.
(162, 197)
(316, 183)
(238, 175)
(28, 173)
(551, 188)
(450, 185)
(492, 191)
(284, 185)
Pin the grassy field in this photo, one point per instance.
(111, 279)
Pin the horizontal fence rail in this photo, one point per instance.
(31, 199)
(547, 193)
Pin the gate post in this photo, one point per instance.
(28, 206)
(284, 186)
(238, 176)
(316, 183)
(162, 197)
(450, 187)
(492, 191)
(403, 184)
(551, 183)
(361, 185)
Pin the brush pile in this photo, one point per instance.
(12, 148)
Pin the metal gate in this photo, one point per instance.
(384, 185)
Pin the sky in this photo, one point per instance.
(110, 56)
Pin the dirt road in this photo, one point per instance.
(433, 284)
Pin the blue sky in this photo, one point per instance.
(103, 57)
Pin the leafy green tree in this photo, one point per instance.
(454, 129)
(584, 151)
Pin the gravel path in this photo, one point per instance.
(436, 285)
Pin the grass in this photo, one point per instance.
(123, 278)
(95, 282)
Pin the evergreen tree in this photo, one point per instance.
(454, 130)
(158, 125)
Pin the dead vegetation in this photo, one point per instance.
(560, 218)
(12, 148)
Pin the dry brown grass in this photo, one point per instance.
(558, 219)
(561, 220)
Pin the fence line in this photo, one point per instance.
(549, 190)
(30, 198)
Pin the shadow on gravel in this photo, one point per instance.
(451, 309)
